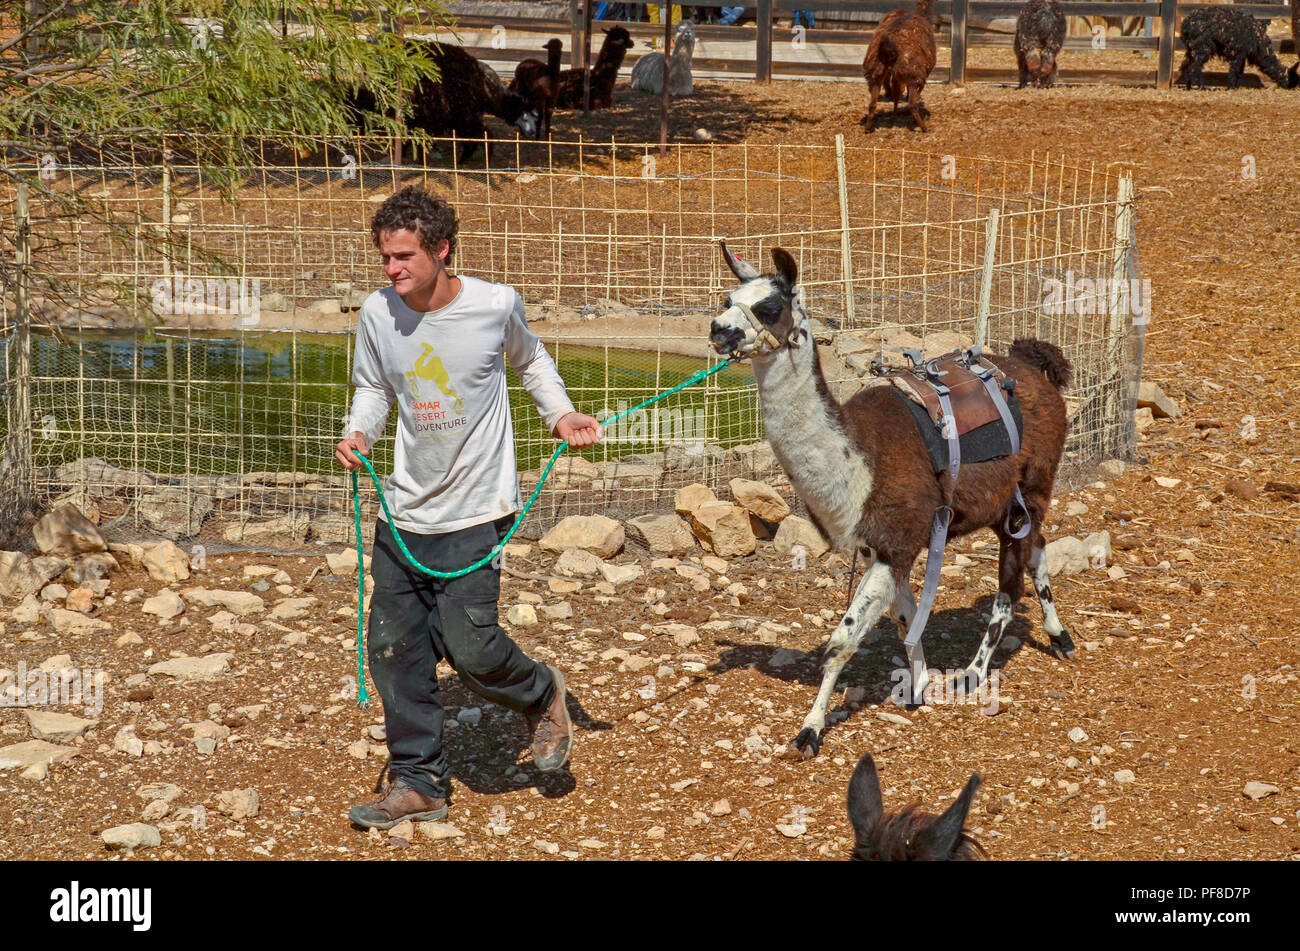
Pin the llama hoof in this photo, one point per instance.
(804, 746)
(1063, 646)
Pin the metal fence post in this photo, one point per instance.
(1128, 330)
(21, 433)
(846, 255)
(957, 74)
(986, 278)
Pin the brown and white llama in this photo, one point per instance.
(908, 835)
(863, 471)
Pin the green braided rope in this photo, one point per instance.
(363, 698)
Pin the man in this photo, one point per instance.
(434, 343)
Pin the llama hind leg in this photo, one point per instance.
(1011, 566)
(874, 595)
(1062, 643)
(914, 104)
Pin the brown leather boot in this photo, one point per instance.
(399, 802)
(552, 731)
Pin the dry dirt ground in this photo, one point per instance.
(1185, 676)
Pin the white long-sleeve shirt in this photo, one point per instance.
(454, 464)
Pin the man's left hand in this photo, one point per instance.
(578, 430)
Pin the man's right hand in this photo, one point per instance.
(344, 451)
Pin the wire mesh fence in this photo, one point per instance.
(190, 345)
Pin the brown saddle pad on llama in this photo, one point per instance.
(980, 429)
(971, 404)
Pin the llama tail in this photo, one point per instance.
(1046, 357)
(888, 51)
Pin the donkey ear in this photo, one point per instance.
(940, 839)
(865, 804)
(785, 266)
(742, 270)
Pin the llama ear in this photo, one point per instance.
(941, 838)
(785, 266)
(865, 804)
(742, 270)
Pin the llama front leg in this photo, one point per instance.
(874, 595)
(1235, 71)
(870, 117)
(1062, 644)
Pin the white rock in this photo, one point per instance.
(57, 727)
(759, 499)
(1153, 398)
(166, 562)
(1066, 555)
(618, 574)
(135, 835)
(1125, 776)
(662, 534)
(193, 668)
(127, 742)
(66, 532)
(239, 803)
(292, 608)
(724, 529)
(522, 615)
(1077, 735)
(1257, 790)
(470, 716)
(689, 498)
(166, 604)
(596, 533)
(242, 603)
(28, 611)
(578, 563)
(23, 755)
(799, 531)
(438, 831)
(75, 623)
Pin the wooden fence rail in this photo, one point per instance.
(964, 25)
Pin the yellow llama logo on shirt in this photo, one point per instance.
(430, 418)
(428, 366)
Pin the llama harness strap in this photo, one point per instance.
(957, 395)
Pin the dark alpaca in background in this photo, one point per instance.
(1232, 35)
(1040, 33)
(539, 84)
(908, 835)
(899, 60)
(608, 63)
(456, 102)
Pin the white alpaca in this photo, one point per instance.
(648, 71)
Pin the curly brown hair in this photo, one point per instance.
(416, 210)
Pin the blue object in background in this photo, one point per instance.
(806, 15)
(730, 15)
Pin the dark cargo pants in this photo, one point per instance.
(416, 621)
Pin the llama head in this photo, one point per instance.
(684, 42)
(909, 835)
(516, 109)
(763, 314)
(616, 37)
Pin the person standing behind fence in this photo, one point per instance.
(433, 343)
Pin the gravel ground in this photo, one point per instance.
(1184, 683)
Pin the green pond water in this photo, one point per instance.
(278, 401)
